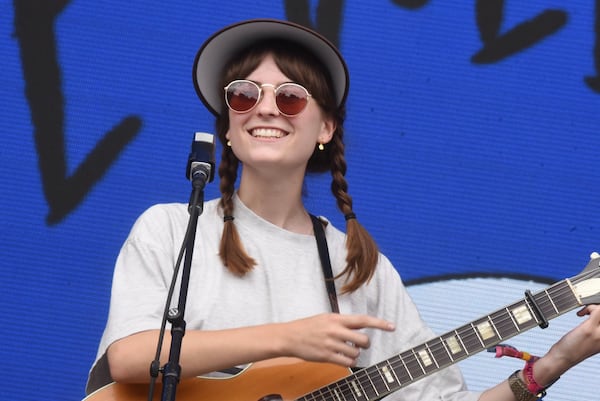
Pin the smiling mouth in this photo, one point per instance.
(267, 133)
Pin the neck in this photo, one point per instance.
(277, 200)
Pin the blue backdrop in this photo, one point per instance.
(472, 137)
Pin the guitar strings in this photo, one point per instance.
(548, 300)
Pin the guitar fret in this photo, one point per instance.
(381, 380)
(477, 335)
(547, 309)
(408, 359)
(355, 389)
(362, 392)
(414, 363)
(498, 322)
(441, 353)
(512, 319)
(566, 296)
(379, 385)
(427, 359)
(456, 348)
(392, 372)
(432, 355)
(493, 325)
(470, 340)
(407, 369)
(400, 370)
(418, 361)
(522, 315)
(337, 394)
(486, 332)
(531, 312)
(447, 350)
(371, 390)
(552, 302)
(461, 341)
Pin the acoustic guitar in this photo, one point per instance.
(294, 379)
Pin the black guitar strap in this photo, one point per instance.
(325, 262)
(327, 272)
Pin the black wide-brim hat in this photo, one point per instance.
(217, 51)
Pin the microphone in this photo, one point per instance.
(201, 161)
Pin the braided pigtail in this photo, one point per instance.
(231, 250)
(363, 252)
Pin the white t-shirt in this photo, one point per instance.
(286, 284)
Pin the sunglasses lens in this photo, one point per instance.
(291, 99)
(241, 96)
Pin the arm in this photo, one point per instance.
(326, 338)
(576, 346)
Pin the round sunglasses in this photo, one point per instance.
(242, 96)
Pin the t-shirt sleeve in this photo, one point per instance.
(141, 279)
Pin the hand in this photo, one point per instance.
(584, 340)
(332, 337)
(577, 345)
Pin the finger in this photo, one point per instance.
(358, 340)
(348, 355)
(344, 360)
(583, 311)
(365, 321)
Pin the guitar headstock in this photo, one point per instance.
(587, 283)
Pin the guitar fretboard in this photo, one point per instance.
(394, 373)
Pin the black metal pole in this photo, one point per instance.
(172, 370)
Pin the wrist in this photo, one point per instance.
(546, 370)
(524, 385)
(519, 387)
(532, 385)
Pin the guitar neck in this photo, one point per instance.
(394, 373)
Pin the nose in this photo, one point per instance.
(267, 104)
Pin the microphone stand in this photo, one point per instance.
(172, 370)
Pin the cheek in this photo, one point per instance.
(236, 124)
(316, 129)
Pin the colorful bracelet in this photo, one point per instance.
(532, 385)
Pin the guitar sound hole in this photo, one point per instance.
(271, 397)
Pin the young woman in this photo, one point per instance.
(257, 288)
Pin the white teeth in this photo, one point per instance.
(267, 133)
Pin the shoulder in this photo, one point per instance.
(175, 211)
(164, 218)
(334, 235)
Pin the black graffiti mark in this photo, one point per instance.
(410, 4)
(328, 18)
(594, 82)
(496, 47)
(34, 29)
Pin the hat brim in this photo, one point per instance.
(220, 47)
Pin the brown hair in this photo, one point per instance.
(302, 67)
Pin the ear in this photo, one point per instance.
(328, 127)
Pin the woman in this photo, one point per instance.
(257, 289)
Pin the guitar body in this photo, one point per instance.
(289, 378)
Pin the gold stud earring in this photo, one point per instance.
(229, 143)
(321, 147)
